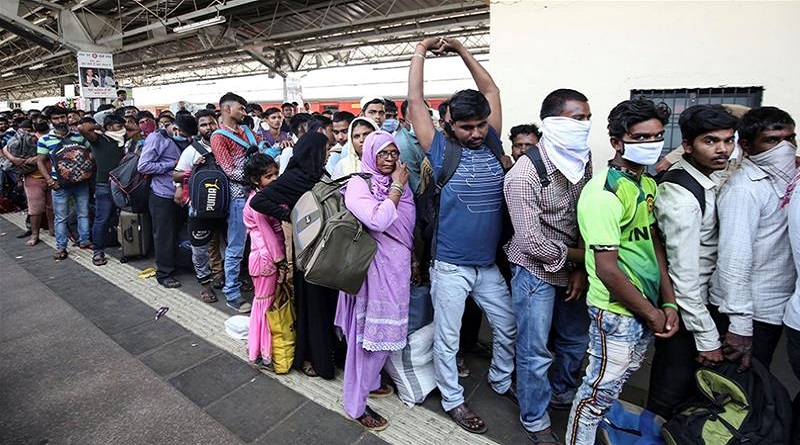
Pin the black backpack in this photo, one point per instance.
(428, 202)
(130, 189)
(686, 180)
(209, 189)
(751, 407)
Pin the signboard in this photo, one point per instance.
(96, 75)
(293, 91)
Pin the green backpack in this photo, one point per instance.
(332, 247)
(733, 408)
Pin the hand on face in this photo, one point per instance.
(400, 173)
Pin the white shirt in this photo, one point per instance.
(284, 158)
(188, 158)
(754, 277)
(691, 237)
(792, 316)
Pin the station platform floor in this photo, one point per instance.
(84, 361)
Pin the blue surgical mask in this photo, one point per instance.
(179, 138)
(390, 125)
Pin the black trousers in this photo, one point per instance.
(167, 218)
(672, 379)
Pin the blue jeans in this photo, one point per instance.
(450, 286)
(80, 193)
(237, 233)
(617, 346)
(103, 209)
(539, 306)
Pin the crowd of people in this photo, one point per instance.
(565, 259)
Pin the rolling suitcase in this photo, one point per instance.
(134, 234)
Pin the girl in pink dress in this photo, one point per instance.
(267, 262)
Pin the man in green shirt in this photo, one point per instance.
(630, 296)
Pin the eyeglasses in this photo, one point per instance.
(386, 154)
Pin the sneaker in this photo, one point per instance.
(239, 305)
(261, 364)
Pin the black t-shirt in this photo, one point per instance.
(107, 155)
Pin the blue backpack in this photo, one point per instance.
(628, 424)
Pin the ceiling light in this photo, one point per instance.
(38, 66)
(41, 20)
(8, 74)
(201, 24)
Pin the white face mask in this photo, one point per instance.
(779, 163)
(567, 133)
(643, 153)
(779, 156)
(566, 142)
(118, 136)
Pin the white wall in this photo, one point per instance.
(606, 49)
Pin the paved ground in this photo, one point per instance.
(84, 362)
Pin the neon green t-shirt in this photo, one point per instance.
(615, 211)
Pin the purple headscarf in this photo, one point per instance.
(375, 142)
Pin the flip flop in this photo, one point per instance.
(32, 242)
(384, 391)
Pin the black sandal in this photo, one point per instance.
(366, 420)
(308, 369)
(546, 436)
(464, 417)
(99, 259)
(60, 255)
(171, 283)
(208, 296)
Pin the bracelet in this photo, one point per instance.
(421, 56)
(396, 184)
(399, 189)
(670, 305)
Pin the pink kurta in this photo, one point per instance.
(266, 249)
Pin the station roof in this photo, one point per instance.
(156, 42)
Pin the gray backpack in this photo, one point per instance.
(332, 247)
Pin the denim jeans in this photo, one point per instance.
(202, 235)
(617, 347)
(538, 306)
(450, 286)
(237, 233)
(80, 193)
(103, 209)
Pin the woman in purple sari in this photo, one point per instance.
(375, 320)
